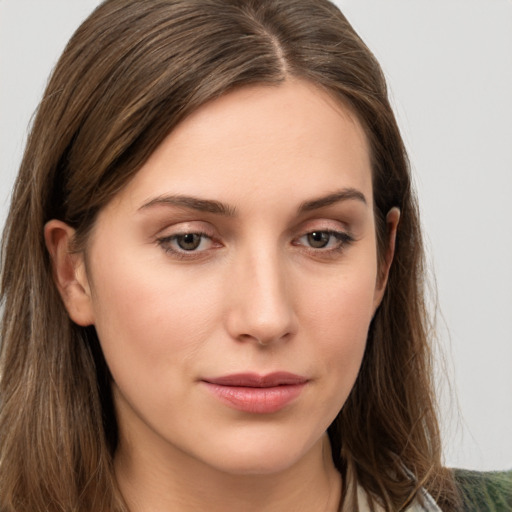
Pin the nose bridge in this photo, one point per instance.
(262, 307)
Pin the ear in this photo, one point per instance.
(392, 219)
(69, 272)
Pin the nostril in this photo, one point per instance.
(266, 337)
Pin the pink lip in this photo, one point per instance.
(260, 394)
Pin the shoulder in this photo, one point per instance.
(489, 491)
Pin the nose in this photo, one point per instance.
(261, 305)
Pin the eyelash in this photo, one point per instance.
(343, 239)
(165, 243)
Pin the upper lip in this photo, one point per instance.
(254, 380)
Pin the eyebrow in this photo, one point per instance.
(192, 203)
(342, 195)
(218, 208)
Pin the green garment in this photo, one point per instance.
(485, 491)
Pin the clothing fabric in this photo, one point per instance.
(429, 504)
(481, 491)
(485, 491)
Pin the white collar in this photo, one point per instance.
(429, 504)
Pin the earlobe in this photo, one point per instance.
(69, 272)
(392, 220)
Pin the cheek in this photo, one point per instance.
(150, 320)
(342, 302)
(337, 319)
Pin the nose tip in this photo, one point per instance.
(265, 333)
(262, 309)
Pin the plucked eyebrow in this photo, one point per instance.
(216, 207)
(342, 195)
(192, 203)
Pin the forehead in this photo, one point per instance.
(267, 143)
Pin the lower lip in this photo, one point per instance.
(256, 400)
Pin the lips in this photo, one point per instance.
(257, 394)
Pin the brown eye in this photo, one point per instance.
(188, 245)
(325, 242)
(318, 239)
(189, 241)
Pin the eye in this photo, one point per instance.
(189, 241)
(183, 244)
(326, 240)
(318, 239)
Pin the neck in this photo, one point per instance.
(175, 482)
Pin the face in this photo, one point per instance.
(233, 280)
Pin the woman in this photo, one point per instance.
(212, 274)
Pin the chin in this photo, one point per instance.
(269, 456)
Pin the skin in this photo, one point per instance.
(257, 294)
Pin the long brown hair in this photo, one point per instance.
(129, 75)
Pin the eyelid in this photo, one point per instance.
(342, 236)
(168, 236)
(166, 243)
(324, 224)
(335, 228)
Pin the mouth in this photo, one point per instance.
(257, 394)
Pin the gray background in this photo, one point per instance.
(449, 66)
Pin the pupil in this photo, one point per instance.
(318, 239)
(189, 242)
